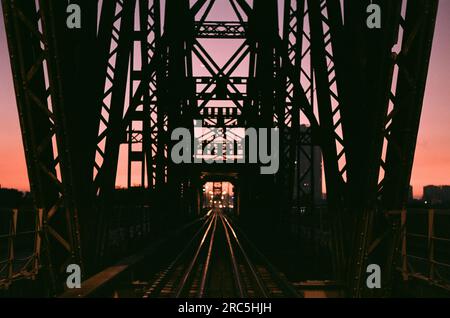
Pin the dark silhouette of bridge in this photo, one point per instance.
(113, 91)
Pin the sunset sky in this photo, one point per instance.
(432, 161)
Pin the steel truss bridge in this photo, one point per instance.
(138, 69)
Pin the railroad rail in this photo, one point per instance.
(239, 270)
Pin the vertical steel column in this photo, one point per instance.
(40, 87)
(331, 138)
(177, 89)
(293, 31)
(402, 122)
(145, 135)
(267, 103)
(116, 24)
(115, 135)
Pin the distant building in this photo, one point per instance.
(410, 194)
(436, 194)
(11, 198)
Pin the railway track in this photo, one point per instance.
(219, 261)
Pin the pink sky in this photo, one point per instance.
(432, 161)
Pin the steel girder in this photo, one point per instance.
(50, 122)
(368, 108)
(351, 63)
(297, 36)
(80, 55)
(27, 57)
(326, 72)
(365, 106)
(402, 120)
(116, 95)
(418, 26)
(143, 129)
(177, 97)
(50, 66)
(293, 149)
(111, 131)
